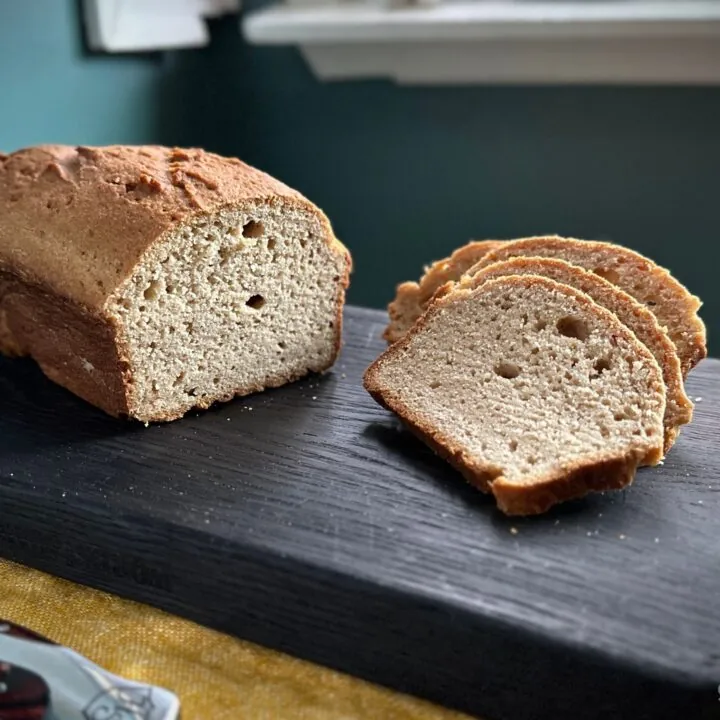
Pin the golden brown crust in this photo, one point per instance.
(596, 473)
(73, 346)
(412, 298)
(632, 272)
(75, 223)
(630, 312)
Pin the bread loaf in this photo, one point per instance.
(678, 409)
(532, 390)
(150, 281)
(653, 286)
(411, 298)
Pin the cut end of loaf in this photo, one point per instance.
(529, 388)
(233, 303)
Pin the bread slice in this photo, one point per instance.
(412, 298)
(529, 388)
(675, 308)
(678, 409)
(151, 280)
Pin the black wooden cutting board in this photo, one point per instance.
(308, 520)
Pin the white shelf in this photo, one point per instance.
(143, 25)
(620, 41)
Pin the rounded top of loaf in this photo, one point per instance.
(78, 219)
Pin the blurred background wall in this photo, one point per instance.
(405, 173)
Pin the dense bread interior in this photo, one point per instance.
(675, 308)
(230, 304)
(629, 311)
(524, 378)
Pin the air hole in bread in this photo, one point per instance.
(600, 366)
(651, 302)
(604, 431)
(627, 413)
(151, 291)
(513, 445)
(532, 460)
(256, 302)
(573, 327)
(435, 384)
(253, 229)
(540, 324)
(271, 243)
(178, 380)
(507, 370)
(608, 274)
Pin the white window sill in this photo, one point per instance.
(594, 41)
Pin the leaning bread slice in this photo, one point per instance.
(153, 280)
(672, 304)
(678, 410)
(412, 298)
(528, 387)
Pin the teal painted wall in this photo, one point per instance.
(51, 92)
(405, 174)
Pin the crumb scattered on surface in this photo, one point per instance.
(698, 399)
(621, 536)
(514, 530)
(657, 540)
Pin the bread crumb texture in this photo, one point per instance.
(635, 316)
(530, 388)
(651, 285)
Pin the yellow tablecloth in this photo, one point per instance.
(216, 676)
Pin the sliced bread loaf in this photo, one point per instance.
(411, 298)
(678, 410)
(528, 387)
(151, 280)
(675, 308)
